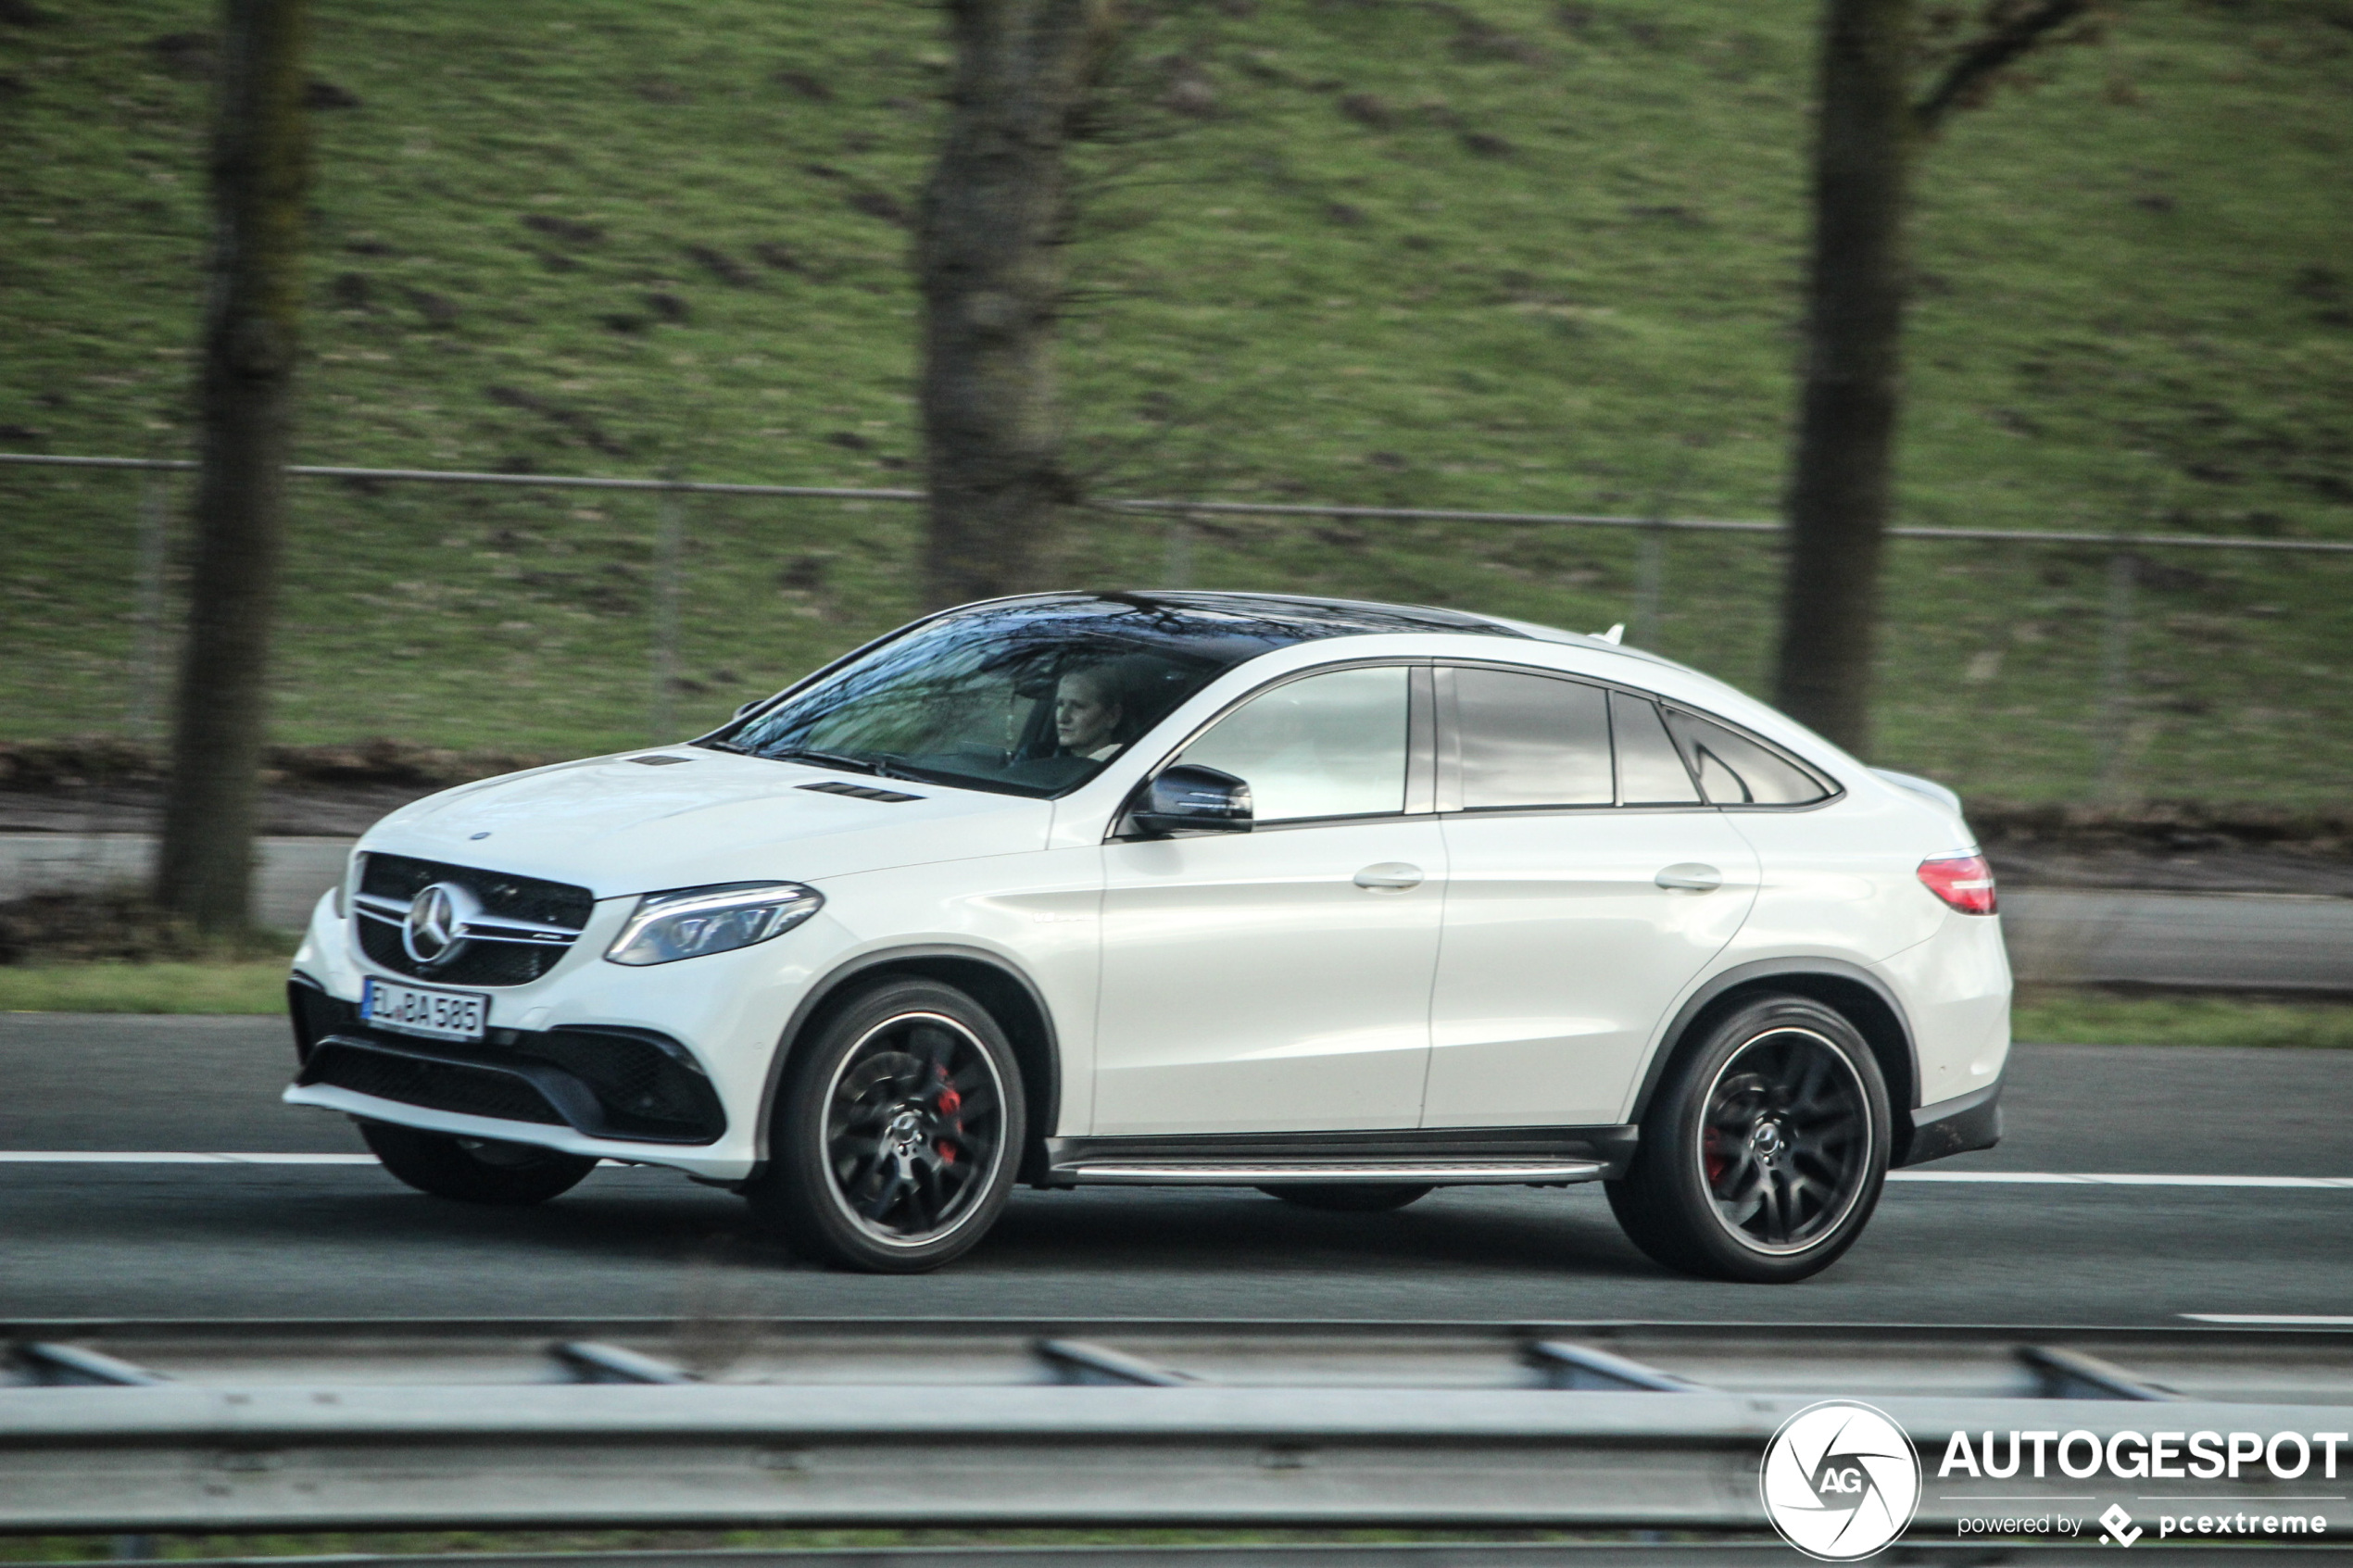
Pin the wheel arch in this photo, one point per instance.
(1858, 996)
(1012, 998)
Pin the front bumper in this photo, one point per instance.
(665, 1065)
(625, 1085)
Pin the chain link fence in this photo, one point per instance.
(542, 613)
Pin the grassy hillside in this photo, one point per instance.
(1495, 254)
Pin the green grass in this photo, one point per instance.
(2057, 1015)
(240, 986)
(2134, 312)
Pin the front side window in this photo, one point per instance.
(1026, 697)
(1324, 746)
(1530, 740)
(1735, 770)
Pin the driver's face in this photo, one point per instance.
(1084, 719)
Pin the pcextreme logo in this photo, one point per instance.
(1840, 1480)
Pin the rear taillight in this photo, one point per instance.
(1966, 881)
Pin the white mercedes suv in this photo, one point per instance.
(1340, 902)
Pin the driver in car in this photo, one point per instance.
(1089, 714)
(1092, 711)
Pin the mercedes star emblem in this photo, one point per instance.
(436, 924)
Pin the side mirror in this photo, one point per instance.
(1188, 798)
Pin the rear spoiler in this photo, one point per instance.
(1918, 785)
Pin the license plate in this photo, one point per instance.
(412, 1009)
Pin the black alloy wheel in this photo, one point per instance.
(1765, 1151)
(896, 1137)
(1349, 1197)
(1783, 1145)
(475, 1169)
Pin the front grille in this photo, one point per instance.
(388, 884)
(434, 1083)
(476, 963)
(509, 897)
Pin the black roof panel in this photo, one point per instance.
(1318, 617)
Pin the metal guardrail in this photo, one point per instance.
(733, 1455)
(278, 1426)
(1179, 519)
(1216, 509)
(2234, 1363)
(1716, 1551)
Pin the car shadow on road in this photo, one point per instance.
(1462, 1232)
(628, 1221)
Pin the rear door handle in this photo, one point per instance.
(1390, 876)
(1689, 876)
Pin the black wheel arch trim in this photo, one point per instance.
(1966, 1121)
(1794, 972)
(1041, 1082)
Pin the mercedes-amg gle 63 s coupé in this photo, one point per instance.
(1340, 901)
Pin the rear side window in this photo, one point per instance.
(1529, 740)
(1649, 770)
(1735, 770)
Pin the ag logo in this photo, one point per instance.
(1840, 1480)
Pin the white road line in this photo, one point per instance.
(2120, 1179)
(2282, 1320)
(170, 1157)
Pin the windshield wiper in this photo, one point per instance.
(728, 745)
(828, 760)
(894, 766)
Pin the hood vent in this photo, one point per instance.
(658, 760)
(862, 792)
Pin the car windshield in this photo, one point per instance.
(1028, 696)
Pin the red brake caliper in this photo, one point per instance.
(1712, 1157)
(948, 1103)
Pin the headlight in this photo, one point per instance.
(692, 922)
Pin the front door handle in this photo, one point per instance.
(1689, 876)
(1390, 876)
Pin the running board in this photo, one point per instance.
(1275, 1172)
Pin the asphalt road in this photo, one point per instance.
(104, 1240)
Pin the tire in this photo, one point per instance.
(1349, 1197)
(1762, 1153)
(897, 1132)
(474, 1170)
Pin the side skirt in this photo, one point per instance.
(1433, 1157)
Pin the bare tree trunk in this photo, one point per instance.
(989, 261)
(261, 164)
(1840, 492)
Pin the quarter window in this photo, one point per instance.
(1735, 770)
(1327, 746)
(1649, 771)
(1530, 740)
